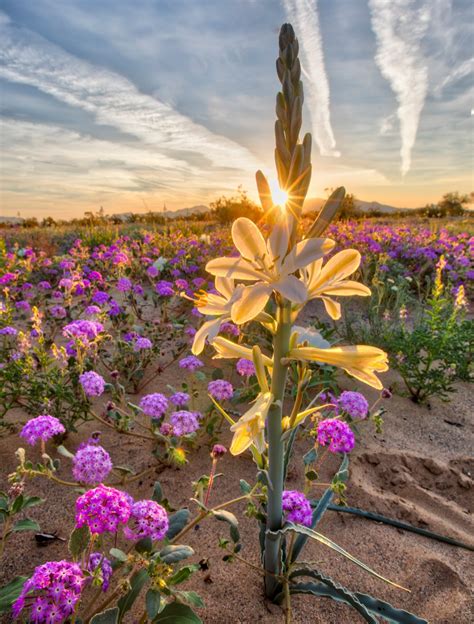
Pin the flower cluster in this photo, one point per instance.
(354, 404)
(103, 509)
(297, 507)
(42, 427)
(52, 592)
(184, 422)
(220, 389)
(337, 434)
(147, 519)
(92, 383)
(101, 568)
(154, 405)
(91, 463)
(180, 399)
(191, 363)
(245, 368)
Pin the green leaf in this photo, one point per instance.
(182, 574)
(26, 525)
(192, 597)
(145, 545)
(119, 554)
(245, 487)
(137, 581)
(62, 450)
(110, 616)
(310, 457)
(172, 554)
(217, 373)
(9, 593)
(226, 516)
(177, 522)
(318, 589)
(200, 376)
(79, 541)
(152, 601)
(157, 495)
(176, 613)
(303, 530)
(31, 501)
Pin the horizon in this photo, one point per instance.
(131, 108)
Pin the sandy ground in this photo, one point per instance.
(419, 470)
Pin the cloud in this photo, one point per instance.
(399, 28)
(304, 15)
(461, 71)
(50, 170)
(30, 59)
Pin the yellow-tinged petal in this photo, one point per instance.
(248, 239)
(333, 308)
(291, 288)
(233, 268)
(225, 286)
(226, 349)
(252, 301)
(279, 239)
(209, 329)
(360, 361)
(249, 429)
(341, 265)
(347, 288)
(306, 252)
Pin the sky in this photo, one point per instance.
(131, 106)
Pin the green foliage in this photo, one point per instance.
(10, 592)
(176, 613)
(436, 351)
(227, 209)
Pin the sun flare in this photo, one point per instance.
(279, 196)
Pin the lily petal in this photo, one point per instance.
(278, 239)
(252, 301)
(333, 308)
(225, 286)
(233, 268)
(307, 251)
(248, 239)
(226, 349)
(360, 361)
(208, 329)
(292, 288)
(348, 288)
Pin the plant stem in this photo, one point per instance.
(276, 448)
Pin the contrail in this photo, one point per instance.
(304, 15)
(399, 27)
(28, 58)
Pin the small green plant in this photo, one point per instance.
(437, 350)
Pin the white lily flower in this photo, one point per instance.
(324, 281)
(219, 305)
(250, 428)
(226, 349)
(269, 264)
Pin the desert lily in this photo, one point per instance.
(250, 428)
(360, 361)
(215, 304)
(269, 264)
(323, 282)
(226, 349)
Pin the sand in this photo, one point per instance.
(419, 470)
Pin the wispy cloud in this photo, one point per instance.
(304, 15)
(461, 71)
(399, 26)
(30, 59)
(50, 170)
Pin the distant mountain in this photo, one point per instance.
(12, 220)
(181, 213)
(316, 203)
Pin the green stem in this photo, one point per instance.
(276, 447)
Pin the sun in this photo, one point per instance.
(279, 196)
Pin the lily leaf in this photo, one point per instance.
(303, 530)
